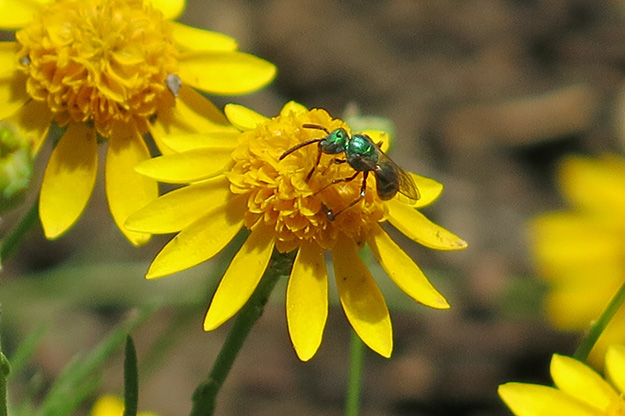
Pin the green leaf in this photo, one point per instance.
(131, 379)
(26, 348)
(79, 379)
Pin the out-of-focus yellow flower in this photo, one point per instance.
(580, 252)
(578, 391)
(238, 180)
(114, 70)
(112, 406)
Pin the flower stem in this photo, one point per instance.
(205, 395)
(5, 369)
(12, 241)
(356, 352)
(599, 325)
(4, 373)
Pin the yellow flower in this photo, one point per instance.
(578, 391)
(238, 180)
(112, 406)
(580, 252)
(114, 70)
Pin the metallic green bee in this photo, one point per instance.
(332, 144)
(365, 156)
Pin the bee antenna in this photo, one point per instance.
(298, 146)
(315, 126)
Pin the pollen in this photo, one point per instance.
(98, 61)
(279, 193)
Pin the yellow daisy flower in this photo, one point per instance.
(580, 252)
(115, 70)
(240, 180)
(112, 406)
(578, 391)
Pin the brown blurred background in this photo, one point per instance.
(486, 96)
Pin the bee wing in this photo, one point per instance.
(407, 187)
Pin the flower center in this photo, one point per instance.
(101, 61)
(282, 195)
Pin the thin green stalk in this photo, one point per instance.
(205, 395)
(354, 382)
(599, 325)
(12, 241)
(5, 368)
(131, 379)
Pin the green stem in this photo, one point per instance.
(131, 379)
(599, 325)
(12, 241)
(4, 373)
(356, 352)
(5, 369)
(205, 395)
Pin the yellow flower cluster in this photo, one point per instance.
(122, 71)
(578, 391)
(241, 181)
(580, 251)
(113, 70)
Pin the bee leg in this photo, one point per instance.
(363, 189)
(335, 161)
(316, 163)
(335, 181)
(329, 214)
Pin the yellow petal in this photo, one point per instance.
(190, 113)
(615, 366)
(107, 406)
(177, 209)
(403, 271)
(227, 73)
(8, 59)
(594, 184)
(15, 14)
(185, 142)
(307, 300)
(241, 278)
(534, 400)
(362, 301)
(170, 8)
(126, 190)
(33, 120)
(186, 167)
(13, 95)
(292, 107)
(570, 242)
(201, 240)
(194, 39)
(429, 189)
(417, 227)
(242, 117)
(580, 381)
(68, 179)
(381, 138)
(573, 305)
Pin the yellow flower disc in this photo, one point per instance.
(98, 61)
(280, 195)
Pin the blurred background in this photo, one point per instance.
(486, 97)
